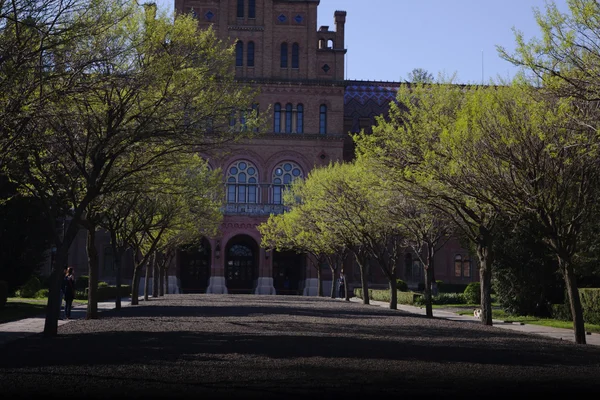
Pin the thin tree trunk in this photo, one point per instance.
(333, 283)
(161, 281)
(166, 280)
(155, 277)
(135, 284)
(118, 282)
(149, 266)
(319, 281)
(346, 289)
(393, 293)
(574, 300)
(428, 281)
(363, 277)
(53, 305)
(485, 259)
(92, 306)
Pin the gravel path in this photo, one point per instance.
(208, 346)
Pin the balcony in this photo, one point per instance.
(253, 209)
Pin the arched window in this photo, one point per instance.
(323, 119)
(283, 175)
(250, 61)
(240, 9)
(288, 118)
(277, 118)
(295, 55)
(321, 43)
(239, 54)
(330, 44)
(242, 183)
(300, 118)
(466, 267)
(458, 265)
(251, 8)
(284, 55)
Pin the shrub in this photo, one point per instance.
(102, 284)
(561, 312)
(384, 295)
(401, 285)
(3, 293)
(472, 293)
(41, 294)
(590, 304)
(451, 287)
(31, 287)
(82, 282)
(445, 298)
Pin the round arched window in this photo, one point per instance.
(284, 174)
(242, 183)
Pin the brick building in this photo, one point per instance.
(300, 72)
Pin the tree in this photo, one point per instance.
(160, 88)
(413, 146)
(420, 75)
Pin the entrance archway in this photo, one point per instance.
(288, 272)
(241, 265)
(194, 267)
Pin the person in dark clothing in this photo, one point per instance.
(62, 288)
(69, 286)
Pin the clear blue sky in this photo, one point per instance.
(386, 39)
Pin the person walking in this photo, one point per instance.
(69, 284)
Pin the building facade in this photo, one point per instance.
(300, 72)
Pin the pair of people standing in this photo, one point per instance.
(68, 291)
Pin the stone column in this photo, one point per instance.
(265, 273)
(216, 282)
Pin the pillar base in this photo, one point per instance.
(265, 286)
(311, 287)
(217, 285)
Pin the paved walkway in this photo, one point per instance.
(10, 331)
(556, 333)
(14, 330)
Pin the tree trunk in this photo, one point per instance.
(363, 278)
(393, 294)
(155, 277)
(485, 259)
(428, 281)
(346, 289)
(53, 305)
(166, 280)
(161, 281)
(319, 281)
(574, 300)
(92, 306)
(149, 266)
(135, 284)
(118, 281)
(333, 283)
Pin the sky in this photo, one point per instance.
(386, 39)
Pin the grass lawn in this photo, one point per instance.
(501, 314)
(18, 308)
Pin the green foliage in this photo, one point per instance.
(82, 282)
(590, 303)
(526, 274)
(472, 293)
(401, 285)
(3, 293)
(445, 298)
(102, 284)
(31, 287)
(384, 295)
(41, 294)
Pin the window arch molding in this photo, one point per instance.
(242, 180)
(282, 175)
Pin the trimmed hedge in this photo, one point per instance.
(3, 293)
(590, 303)
(106, 293)
(445, 298)
(401, 285)
(384, 295)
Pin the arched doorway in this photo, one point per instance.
(288, 268)
(194, 267)
(241, 265)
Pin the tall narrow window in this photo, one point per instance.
(239, 54)
(284, 55)
(458, 265)
(277, 118)
(323, 119)
(295, 55)
(466, 267)
(242, 183)
(288, 118)
(300, 118)
(240, 9)
(250, 61)
(251, 8)
(283, 175)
